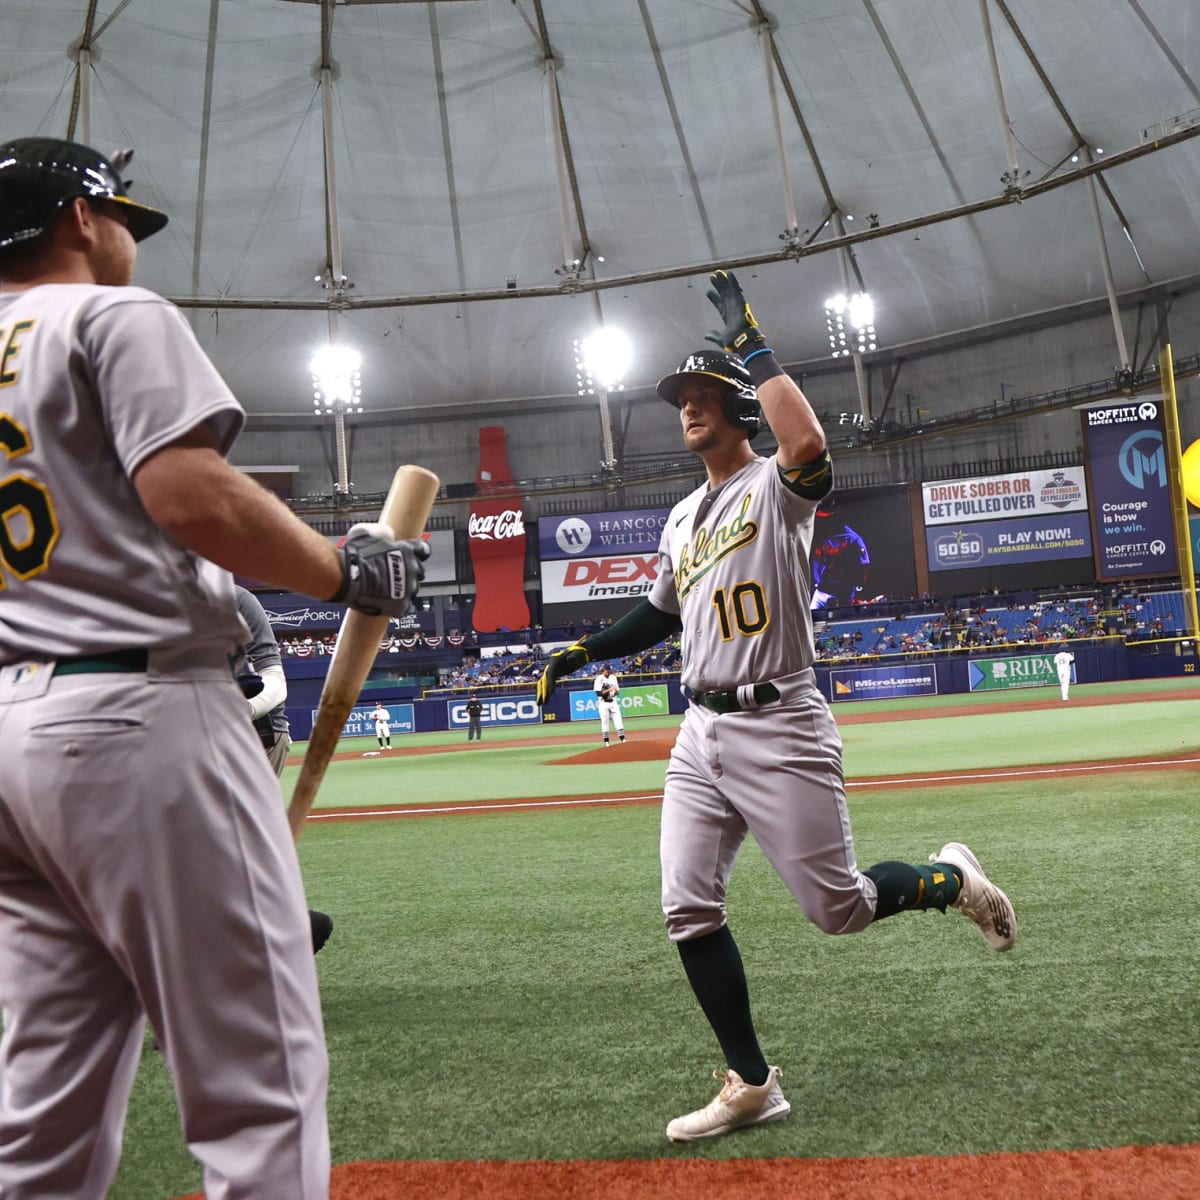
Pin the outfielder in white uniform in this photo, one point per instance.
(758, 751)
(383, 726)
(1063, 662)
(174, 892)
(607, 688)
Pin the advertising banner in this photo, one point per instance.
(593, 534)
(598, 579)
(360, 723)
(994, 496)
(1003, 543)
(1001, 674)
(292, 611)
(497, 710)
(496, 539)
(1127, 471)
(648, 700)
(879, 683)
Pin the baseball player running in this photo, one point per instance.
(606, 687)
(1062, 666)
(260, 675)
(173, 893)
(758, 750)
(383, 726)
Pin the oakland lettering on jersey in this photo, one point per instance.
(709, 547)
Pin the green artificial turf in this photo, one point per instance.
(511, 769)
(499, 986)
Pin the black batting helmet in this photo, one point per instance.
(38, 176)
(740, 402)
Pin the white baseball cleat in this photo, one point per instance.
(979, 898)
(737, 1105)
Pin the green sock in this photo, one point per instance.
(714, 969)
(904, 887)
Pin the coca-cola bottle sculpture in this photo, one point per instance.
(497, 540)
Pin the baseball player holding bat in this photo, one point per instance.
(758, 751)
(142, 873)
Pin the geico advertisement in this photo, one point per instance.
(498, 710)
(646, 701)
(598, 579)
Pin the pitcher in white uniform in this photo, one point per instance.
(758, 751)
(608, 688)
(146, 865)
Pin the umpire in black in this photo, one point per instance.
(474, 719)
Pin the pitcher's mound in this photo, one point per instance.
(633, 750)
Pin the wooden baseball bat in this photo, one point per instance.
(405, 512)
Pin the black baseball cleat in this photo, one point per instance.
(322, 926)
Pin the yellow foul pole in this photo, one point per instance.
(1179, 513)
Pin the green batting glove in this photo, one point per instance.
(562, 662)
(741, 335)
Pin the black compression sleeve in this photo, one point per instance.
(639, 629)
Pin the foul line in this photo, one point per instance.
(1024, 772)
(470, 807)
(353, 814)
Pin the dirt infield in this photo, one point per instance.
(1124, 1173)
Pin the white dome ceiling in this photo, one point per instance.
(462, 202)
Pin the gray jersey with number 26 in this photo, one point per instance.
(85, 570)
(734, 565)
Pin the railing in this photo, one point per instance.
(641, 469)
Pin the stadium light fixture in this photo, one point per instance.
(850, 323)
(336, 379)
(602, 360)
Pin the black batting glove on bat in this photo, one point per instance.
(741, 335)
(562, 662)
(380, 574)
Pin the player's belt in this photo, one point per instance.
(93, 664)
(728, 701)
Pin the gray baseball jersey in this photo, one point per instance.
(262, 650)
(141, 833)
(114, 368)
(733, 564)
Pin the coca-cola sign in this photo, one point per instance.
(496, 537)
(496, 527)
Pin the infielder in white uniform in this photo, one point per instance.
(758, 750)
(607, 687)
(383, 726)
(1063, 661)
(146, 865)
